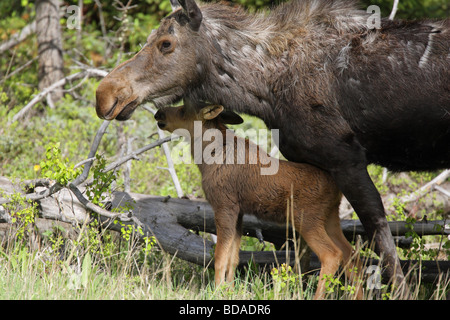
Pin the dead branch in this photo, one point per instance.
(17, 38)
(132, 156)
(18, 69)
(443, 191)
(89, 72)
(56, 187)
(394, 10)
(92, 152)
(427, 187)
(170, 166)
(101, 18)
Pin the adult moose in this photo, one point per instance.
(342, 95)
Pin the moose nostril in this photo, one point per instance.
(161, 125)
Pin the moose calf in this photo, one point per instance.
(234, 189)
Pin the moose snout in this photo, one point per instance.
(115, 100)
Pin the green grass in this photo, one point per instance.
(126, 274)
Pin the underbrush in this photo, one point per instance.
(127, 274)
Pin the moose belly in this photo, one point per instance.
(417, 141)
(274, 211)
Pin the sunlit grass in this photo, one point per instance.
(42, 275)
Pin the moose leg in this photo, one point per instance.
(336, 149)
(358, 188)
(222, 255)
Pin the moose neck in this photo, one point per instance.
(255, 63)
(235, 69)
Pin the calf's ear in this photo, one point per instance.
(193, 12)
(211, 112)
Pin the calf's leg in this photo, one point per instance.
(351, 261)
(329, 254)
(234, 253)
(227, 236)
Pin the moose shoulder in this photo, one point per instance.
(342, 95)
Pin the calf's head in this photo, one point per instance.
(183, 117)
(160, 72)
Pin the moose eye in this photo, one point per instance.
(165, 46)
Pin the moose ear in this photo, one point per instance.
(211, 112)
(175, 5)
(193, 12)
(229, 117)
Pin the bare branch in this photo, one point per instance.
(101, 18)
(133, 155)
(82, 163)
(17, 70)
(442, 190)
(82, 177)
(171, 167)
(99, 210)
(98, 137)
(38, 195)
(92, 72)
(18, 37)
(427, 187)
(88, 163)
(394, 10)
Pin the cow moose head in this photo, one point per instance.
(160, 72)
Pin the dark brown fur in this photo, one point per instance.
(237, 189)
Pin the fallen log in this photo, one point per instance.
(170, 218)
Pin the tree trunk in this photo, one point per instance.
(49, 41)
